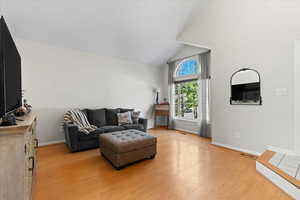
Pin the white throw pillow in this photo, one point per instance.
(124, 118)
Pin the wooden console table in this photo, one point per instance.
(161, 110)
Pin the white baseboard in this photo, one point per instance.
(188, 131)
(286, 186)
(51, 142)
(236, 148)
(280, 150)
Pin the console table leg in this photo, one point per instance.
(168, 122)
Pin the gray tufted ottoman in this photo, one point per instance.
(125, 147)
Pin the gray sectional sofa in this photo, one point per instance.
(106, 120)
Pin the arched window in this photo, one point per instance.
(186, 90)
(187, 67)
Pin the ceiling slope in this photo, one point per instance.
(140, 30)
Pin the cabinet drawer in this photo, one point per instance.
(162, 112)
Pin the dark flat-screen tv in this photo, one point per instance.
(249, 92)
(10, 72)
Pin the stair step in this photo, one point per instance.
(272, 163)
(269, 160)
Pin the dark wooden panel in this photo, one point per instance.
(162, 113)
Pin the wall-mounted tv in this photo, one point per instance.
(10, 72)
(246, 93)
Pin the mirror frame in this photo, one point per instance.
(259, 79)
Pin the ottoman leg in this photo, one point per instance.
(152, 157)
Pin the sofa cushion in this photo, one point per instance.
(122, 110)
(111, 117)
(108, 129)
(134, 126)
(91, 136)
(97, 117)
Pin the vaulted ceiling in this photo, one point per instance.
(140, 30)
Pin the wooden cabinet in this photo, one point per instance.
(18, 159)
(161, 110)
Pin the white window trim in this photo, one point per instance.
(187, 78)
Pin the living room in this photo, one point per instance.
(111, 61)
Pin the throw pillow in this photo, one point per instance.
(97, 117)
(124, 118)
(135, 116)
(111, 116)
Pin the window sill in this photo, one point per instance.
(188, 120)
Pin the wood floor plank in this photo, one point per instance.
(186, 167)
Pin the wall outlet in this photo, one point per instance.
(281, 91)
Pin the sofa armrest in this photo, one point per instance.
(71, 136)
(144, 122)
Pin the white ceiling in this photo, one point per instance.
(140, 30)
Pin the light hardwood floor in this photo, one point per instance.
(186, 167)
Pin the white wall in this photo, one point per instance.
(57, 79)
(297, 95)
(188, 126)
(257, 34)
(187, 50)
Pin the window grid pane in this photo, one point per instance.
(186, 100)
(187, 67)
